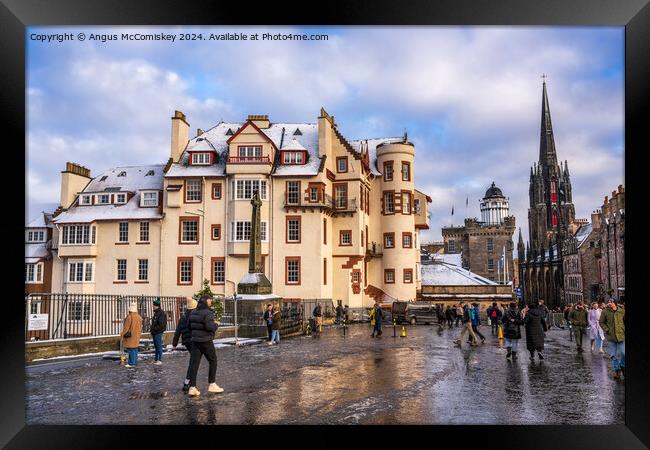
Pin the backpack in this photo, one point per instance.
(494, 313)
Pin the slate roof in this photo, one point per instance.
(135, 179)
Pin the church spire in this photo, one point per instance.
(547, 155)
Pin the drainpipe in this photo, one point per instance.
(615, 259)
(160, 255)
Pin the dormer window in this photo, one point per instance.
(103, 178)
(149, 198)
(293, 157)
(85, 200)
(103, 199)
(36, 236)
(150, 173)
(122, 174)
(120, 198)
(201, 159)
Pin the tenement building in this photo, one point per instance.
(579, 265)
(38, 257)
(611, 219)
(340, 218)
(485, 246)
(551, 217)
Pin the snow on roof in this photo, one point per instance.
(293, 145)
(200, 144)
(44, 220)
(35, 252)
(135, 179)
(281, 133)
(372, 149)
(583, 233)
(444, 274)
(454, 259)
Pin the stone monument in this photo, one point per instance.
(255, 285)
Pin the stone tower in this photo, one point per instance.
(551, 209)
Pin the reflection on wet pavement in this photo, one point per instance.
(333, 379)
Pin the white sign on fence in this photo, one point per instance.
(37, 322)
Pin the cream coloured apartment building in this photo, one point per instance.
(340, 218)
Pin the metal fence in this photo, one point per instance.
(65, 316)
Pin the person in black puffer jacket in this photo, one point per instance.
(203, 327)
(511, 321)
(158, 327)
(184, 331)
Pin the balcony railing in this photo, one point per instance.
(373, 249)
(343, 205)
(248, 160)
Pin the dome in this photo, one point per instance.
(493, 191)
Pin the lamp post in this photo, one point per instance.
(201, 214)
(234, 299)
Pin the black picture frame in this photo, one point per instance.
(15, 15)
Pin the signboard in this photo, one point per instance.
(519, 293)
(37, 322)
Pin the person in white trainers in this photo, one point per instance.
(203, 326)
(130, 334)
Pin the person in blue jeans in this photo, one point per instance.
(277, 324)
(612, 321)
(130, 335)
(158, 327)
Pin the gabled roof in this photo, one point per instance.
(43, 220)
(135, 180)
(36, 252)
(293, 145)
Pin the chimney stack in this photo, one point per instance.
(260, 120)
(74, 179)
(180, 135)
(595, 220)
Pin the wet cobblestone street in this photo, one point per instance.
(420, 379)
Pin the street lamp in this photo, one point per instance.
(201, 214)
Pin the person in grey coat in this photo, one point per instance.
(535, 324)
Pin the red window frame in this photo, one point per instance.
(220, 191)
(341, 232)
(407, 271)
(386, 272)
(212, 261)
(392, 171)
(288, 259)
(179, 260)
(286, 227)
(215, 227)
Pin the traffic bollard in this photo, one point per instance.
(394, 331)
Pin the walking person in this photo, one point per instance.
(131, 333)
(346, 314)
(467, 327)
(158, 327)
(495, 314)
(459, 313)
(612, 321)
(268, 320)
(476, 321)
(449, 315)
(578, 319)
(596, 333)
(277, 325)
(203, 327)
(377, 315)
(339, 313)
(318, 318)
(440, 314)
(535, 323)
(511, 322)
(184, 332)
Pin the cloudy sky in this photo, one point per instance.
(469, 98)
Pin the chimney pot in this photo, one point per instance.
(199, 132)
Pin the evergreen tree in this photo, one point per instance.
(217, 305)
